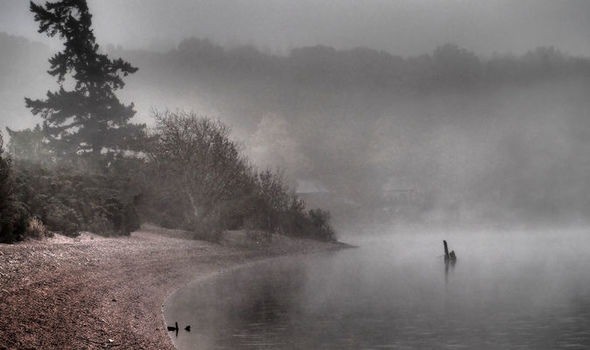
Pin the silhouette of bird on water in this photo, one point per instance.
(174, 329)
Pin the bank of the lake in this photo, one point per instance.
(97, 293)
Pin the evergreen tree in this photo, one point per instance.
(88, 118)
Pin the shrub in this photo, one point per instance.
(69, 201)
(320, 224)
(198, 180)
(62, 218)
(13, 214)
(36, 229)
(197, 171)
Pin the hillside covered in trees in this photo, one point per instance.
(366, 125)
(472, 138)
(87, 167)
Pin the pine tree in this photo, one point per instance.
(87, 118)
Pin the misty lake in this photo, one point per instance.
(508, 290)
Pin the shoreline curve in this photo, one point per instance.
(93, 292)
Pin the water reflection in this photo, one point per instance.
(390, 294)
(450, 260)
(449, 265)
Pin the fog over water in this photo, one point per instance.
(508, 289)
(412, 121)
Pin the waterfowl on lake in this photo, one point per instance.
(174, 329)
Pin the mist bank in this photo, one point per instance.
(447, 136)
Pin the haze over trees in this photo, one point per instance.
(369, 126)
(498, 138)
(88, 168)
(199, 180)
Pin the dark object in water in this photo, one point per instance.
(187, 328)
(449, 256)
(174, 329)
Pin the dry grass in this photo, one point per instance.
(37, 230)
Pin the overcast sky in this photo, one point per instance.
(405, 27)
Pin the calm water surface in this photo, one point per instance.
(508, 290)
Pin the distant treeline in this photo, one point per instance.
(446, 67)
(453, 125)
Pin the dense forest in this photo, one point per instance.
(87, 167)
(417, 138)
(448, 135)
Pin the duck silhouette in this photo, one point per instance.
(174, 329)
(187, 328)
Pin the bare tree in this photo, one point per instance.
(196, 159)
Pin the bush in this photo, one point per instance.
(198, 180)
(13, 221)
(13, 214)
(69, 201)
(320, 225)
(191, 176)
(197, 173)
(36, 229)
(62, 218)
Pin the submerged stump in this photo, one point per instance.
(449, 257)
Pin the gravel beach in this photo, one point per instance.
(99, 293)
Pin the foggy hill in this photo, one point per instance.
(470, 137)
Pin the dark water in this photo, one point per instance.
(508, 290)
